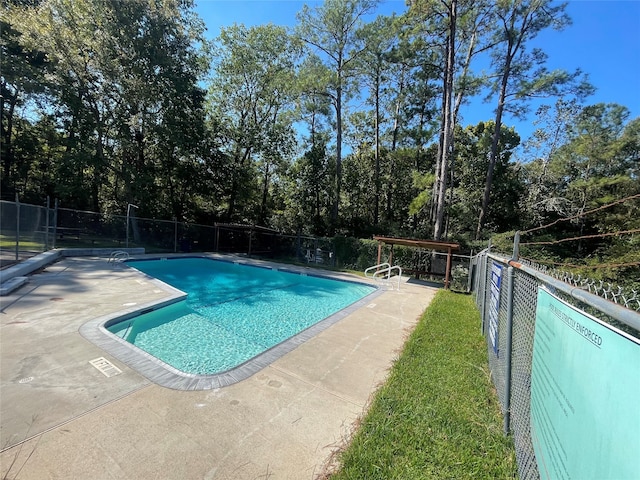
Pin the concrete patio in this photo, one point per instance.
(62, 418)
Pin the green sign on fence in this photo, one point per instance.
(585, 395)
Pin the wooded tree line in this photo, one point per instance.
(346, 124)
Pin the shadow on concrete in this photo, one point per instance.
(426, 283)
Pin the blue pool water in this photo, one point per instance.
(232, 313)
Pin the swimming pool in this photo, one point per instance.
(233, 312)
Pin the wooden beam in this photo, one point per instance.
(426, 244)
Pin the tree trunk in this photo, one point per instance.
(338, 178)
(456, 108)
(394, 143)
(7, 133)
(434, 189)
(447, 124)
(376, 207)
(265, 191)
(317, 209)
(494, 148)
(235, 183)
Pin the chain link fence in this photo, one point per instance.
(27, 230)
(513, 301)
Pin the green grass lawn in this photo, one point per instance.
(85, 241)
(437, 416)
(8, 243)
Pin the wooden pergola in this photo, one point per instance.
(426, 244)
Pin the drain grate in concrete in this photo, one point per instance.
(105, 367)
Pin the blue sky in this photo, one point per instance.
(604, 42)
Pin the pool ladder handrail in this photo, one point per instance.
(381, 269)
(118, 256)
(374, 269)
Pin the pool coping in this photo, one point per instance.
(168, 376)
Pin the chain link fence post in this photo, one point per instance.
(508, 349)
(175, 234)
(55, 224)
(46, 226)
(509, 334)
(17, 228)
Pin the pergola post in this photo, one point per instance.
(379, 252)
(448, 270)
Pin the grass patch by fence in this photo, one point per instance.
(437, 416)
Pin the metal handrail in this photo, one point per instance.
(118, 256)
(376, 268)
(382, 271)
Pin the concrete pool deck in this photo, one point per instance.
(61, 417)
